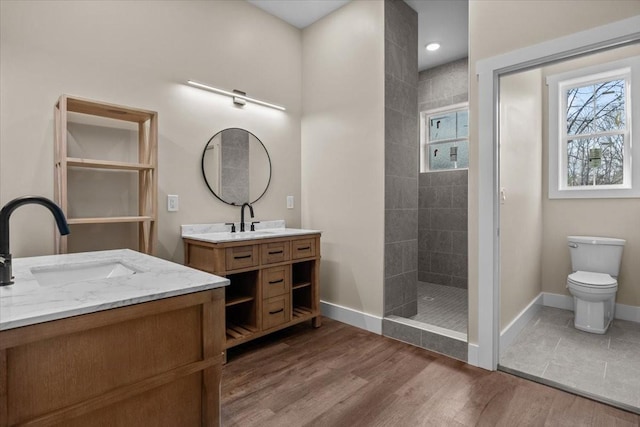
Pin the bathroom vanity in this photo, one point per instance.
(110, 338)
(273, 272)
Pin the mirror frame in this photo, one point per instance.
(204, 152)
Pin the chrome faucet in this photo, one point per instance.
(242, 214)
(6, 278)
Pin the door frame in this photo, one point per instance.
(488, 72)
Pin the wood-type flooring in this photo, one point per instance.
(339, 375)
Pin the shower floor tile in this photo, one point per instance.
(443, 306)
(603, 366)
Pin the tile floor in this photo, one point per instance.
(442, 306)
(605, 366)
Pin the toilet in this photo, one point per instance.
(595, 262)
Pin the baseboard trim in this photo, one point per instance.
(565, 302)
(511, 331)
(352, 317)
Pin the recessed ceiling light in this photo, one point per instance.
(432, 47)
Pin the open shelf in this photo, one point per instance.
(238, 300)
(239, 332)
(301, 311)
(300, 285)
(109, 219)
(107, 164)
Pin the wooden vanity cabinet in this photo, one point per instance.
(274, 282)
(157, 363)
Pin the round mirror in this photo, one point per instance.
(236, 166)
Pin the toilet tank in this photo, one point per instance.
(596, 254)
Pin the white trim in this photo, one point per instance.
(424, 142)
(488, 71)
(627, 69)
(565, 302)
(352, 317)
(511, 331)
(472, 355)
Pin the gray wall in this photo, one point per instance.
(442, 199)
(401, 159)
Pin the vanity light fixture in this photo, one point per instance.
(432, 47)
(239, 98)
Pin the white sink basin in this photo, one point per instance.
(72, 273)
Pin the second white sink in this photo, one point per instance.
(71, 273)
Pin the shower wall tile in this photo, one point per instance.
(445, 345)
(401, 332)
(401, 225)
(401, 160)
(442, 226)
(393, 262)
(428, 340)
(424, 180)
(459, 243)
(410, 256)
(439, 241)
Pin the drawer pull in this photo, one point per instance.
(277, 311)
(275, 252)
(242, 256)
(306, 248)
(276, 281)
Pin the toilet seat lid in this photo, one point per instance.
(588, 278)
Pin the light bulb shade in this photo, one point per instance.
(236, 95)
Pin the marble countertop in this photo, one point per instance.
(28, 302)
(219, 233)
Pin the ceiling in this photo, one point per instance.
(442, 21)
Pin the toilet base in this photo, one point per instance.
(593, 316)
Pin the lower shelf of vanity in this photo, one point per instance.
(239, 334)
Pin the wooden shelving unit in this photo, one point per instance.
(145, 167)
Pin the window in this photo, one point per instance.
(444, 138)
(590, 139)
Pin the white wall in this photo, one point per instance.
(140, 54)
(497, 27)
(521, 178)
(592, 217)
(343, 151)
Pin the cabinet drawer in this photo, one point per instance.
(241, 257)
(274, 252)
(303, 248)
(276, 281)
(276, 311)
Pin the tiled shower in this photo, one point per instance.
(425, 213)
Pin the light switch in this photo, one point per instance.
(289, 202)
(173, 203)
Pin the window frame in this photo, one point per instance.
(425, 143)
(558, 85)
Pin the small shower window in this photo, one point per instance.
(444, 138)
(590, 137)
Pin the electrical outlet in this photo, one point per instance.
(289, 202)
(173, 203)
